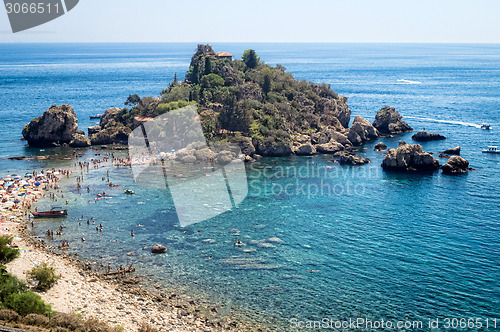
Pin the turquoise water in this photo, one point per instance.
(379, 245)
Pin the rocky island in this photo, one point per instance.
(262, 108)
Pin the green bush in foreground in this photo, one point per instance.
(7, 253)
(45, 276)
(27, 303)
(9, 285)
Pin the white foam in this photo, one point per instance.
(408, 82)
(460, 123)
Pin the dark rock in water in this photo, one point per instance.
(389, 121)
(110, 131)
(423, 136)
(443, 156)
(401, 143)
(57, 126)
(361, 131)
(305, 150)
(456, 165)
(158, 249)
(246, 145)
(380, 147)
(347, 158)
(409, 158)
(17, 158)
(455, 151)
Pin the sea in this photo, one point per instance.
(321, 242)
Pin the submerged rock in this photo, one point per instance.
(57, 126)
(456, 165)
(389, 121)
(158, 249)
(424, 136)
(455, 151)
(409, 158)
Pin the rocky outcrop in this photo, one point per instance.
(348, 158)
(338, 109)
(380, 147)
(246, 146)
(109, 130)
(79, 141)
(424, 136)
(361, 131)
(456, 165)
(305, 150)
(409, 158)
(330, 147)
(389, 121)
(93, 130)
(57, 126)
(273, 149)
(455, 151)
(158, 249)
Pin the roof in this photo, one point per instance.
(223, 54)
(142, 118)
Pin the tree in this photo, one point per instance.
(133, 100)
(208, 66)
(266, 87)
(250, 58)
(175, 78)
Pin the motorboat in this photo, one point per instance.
(485, 126)
(129, 192)
(491, 149)
(55, 212)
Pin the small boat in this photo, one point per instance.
(129, 192)
(491, 149)
(485, 126)
(97, 116)
(55, 212)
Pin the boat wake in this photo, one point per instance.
(408, 82)
(458, 123)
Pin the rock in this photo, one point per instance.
(248, 159)
(380, 146)
(57, 126)
(361, 131)
(389, 121)
(305, 150)
(456, 165)
(273, 149)
(335, 108)
(225, 157)
(340, 138)
(401, 143)
(111, 135)
(17, 158)
(443, 156)
(246, 146)
(409, 158)
(158, 249)
(455, 151)
(303, 139)
(189, 159)
(80, 141)
(93, 130)
(347, 158)
(204, 155)
(423, 136)
(329, 148)
(108, 116)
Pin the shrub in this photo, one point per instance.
(9, 315)
(45, 276)
(68, 321)
(7, 253)
(36, 320)
(95, 325)
(9, 285)
(27, 303)
(147, 328)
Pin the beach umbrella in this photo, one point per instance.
(17, 177)
(17, 201)
(37, 183)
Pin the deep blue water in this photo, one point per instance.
(380, 245)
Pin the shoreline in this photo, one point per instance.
(119, 301)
